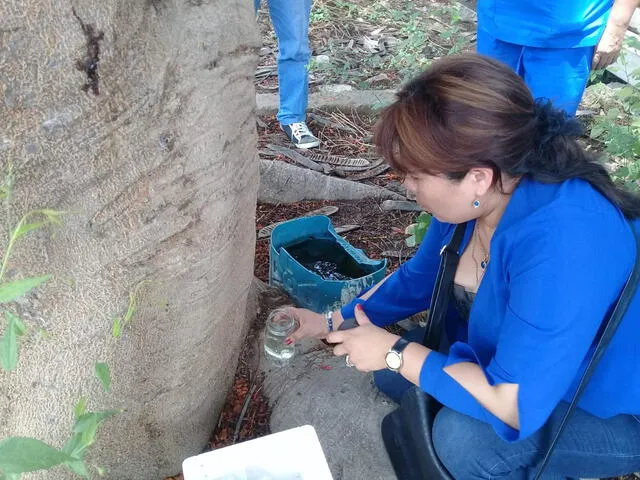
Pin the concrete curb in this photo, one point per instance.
(364, 101)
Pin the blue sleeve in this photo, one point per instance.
(562, 278)
(408, 290)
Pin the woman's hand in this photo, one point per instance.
(609, 46)
(310, 324)
(366, 345)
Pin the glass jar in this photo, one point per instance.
(280, 324)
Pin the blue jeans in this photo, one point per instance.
(559, 74)
(290, 20)
(590, 447)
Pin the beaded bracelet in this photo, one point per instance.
(329, 319)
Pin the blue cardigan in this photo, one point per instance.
(559, 259)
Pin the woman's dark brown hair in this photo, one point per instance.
(470, 111)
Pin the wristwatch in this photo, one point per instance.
(393, 358)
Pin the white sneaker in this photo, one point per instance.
(300, 135)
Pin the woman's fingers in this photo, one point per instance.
(339, 349)
(309, 324)
(336, 337)
(298, 334)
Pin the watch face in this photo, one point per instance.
(393, 360)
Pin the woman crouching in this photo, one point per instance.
(546, 252)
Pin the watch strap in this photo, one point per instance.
(400, 345)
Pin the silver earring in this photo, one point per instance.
(476, 203)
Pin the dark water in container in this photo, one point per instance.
(328, 259)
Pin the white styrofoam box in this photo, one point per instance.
(294, 454)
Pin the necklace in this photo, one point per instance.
(484, 254)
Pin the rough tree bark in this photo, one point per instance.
(137, 118)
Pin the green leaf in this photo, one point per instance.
(19, 455)
(597, 130)
(116, 330)
(410, 241)
(24, 228)
(410, 230)
(20, 327)
(424, 220)
(612, 113)
(81, 407)
(9, 342)
(13, 290)
(84, 432)
(104, 375)
(10, 476)
(622, 172)
(101, 471)
(53, 216)
(79, 467)
(626, 92)
(633, 42)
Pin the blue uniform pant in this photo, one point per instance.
(559, 74)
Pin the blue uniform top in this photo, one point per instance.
(559, 259)
(545, 23)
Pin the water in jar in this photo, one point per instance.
(279, 326)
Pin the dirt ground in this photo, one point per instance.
(374, 44)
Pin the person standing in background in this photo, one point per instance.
(553, 45)
(290, 20)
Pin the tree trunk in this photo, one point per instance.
(136, 118)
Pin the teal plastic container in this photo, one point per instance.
(318, 268)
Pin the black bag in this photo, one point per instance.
(407, 431)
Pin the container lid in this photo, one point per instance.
(294, 454)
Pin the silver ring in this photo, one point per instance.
(349, 364)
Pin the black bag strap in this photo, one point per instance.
(610, 326)
(449, 258)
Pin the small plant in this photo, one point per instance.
(20, 455)
(410, 59)
(375, 11)
(351, 9)
(319, 13)
(13, 290)
(454, 34)
(618, 128)
(121, 322)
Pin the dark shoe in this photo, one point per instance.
(300, 135)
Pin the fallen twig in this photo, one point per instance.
(325, 122)
(243, 412)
